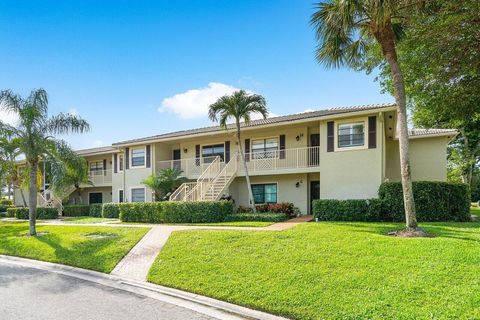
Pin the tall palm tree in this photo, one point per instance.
(346, 30)
(34, 134)
(239, 106)
(166, 181)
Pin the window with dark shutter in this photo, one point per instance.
(247, 149)
(372, 132)
(104, 167)
(330, 136)
(227, 151)
(197, 154)
(148, 160)
(115, 162)
(282, 146)
(127, 158)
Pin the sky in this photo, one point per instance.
(139, 68)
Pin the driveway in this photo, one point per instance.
(29, 293)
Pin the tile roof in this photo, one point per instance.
(99, 150)
(427, 132)
(273, 120)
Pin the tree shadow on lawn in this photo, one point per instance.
(454, 230)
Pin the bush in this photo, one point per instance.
(3, 208)
(95, 210)
(76, 210)
(42, 213)
(111, 210)
(434, 201)
(348, 210)
(283, 207)
(6, 202)
(176, 212)
(265, 217)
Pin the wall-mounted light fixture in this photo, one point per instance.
(185, 150)
(297, 185)
(299, 137)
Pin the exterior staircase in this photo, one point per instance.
(211, 184)
(48, 199)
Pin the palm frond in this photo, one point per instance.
(65, 123)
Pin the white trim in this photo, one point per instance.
(264, 183)
(138, 187)
(208, 144)
(351, 121)
(144, 157)
(265, 138)
(88, 199)
(118, 162)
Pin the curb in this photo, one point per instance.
(205, 305)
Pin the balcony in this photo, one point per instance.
(100, 177)
(298, 160)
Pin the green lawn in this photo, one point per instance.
(331, 270)
(70, 245)
(81, 220)
(475, 211)
(219, 224)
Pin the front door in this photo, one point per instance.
(95, 197)
(314, 193)
(314, 150)
(177, 164)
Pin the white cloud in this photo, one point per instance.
(194, 103)
(305, 111)
(8, 117)
(98, 143)
(73, 112)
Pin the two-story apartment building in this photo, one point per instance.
(338, 153)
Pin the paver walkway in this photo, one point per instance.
(136, 264)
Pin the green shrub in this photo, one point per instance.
(176, 212)
(3, 208)
(76, 210)
(95, 210)
(111, 210)
(434, 201)
(348, 210)
(42, 213)
(264, 216)
(6, 202)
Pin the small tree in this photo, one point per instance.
(239, 106)
(34, 133)
(167, 181)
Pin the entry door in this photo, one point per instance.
(314, 152)
(314, 193)
(95, 197)
(177, 164)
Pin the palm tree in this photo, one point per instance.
(346, 30)
(34, 134)
(239, 106)
(167, 181)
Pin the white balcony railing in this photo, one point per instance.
(191, 168)
(100, 177)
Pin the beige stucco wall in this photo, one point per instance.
(428, 159)
(18, 197)
(286, 189)
(83, 199)
(350, 173)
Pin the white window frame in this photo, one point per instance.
(94, 192)
(264, 183)
(277, 153)
(144, 157)
(120, 169)
(362, 120)
(138, 187)
(90, 171)
(211, 144)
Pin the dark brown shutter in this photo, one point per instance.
(197, 154)
(148, 160)
(330, 136)
(372, 132)
(282, 146)
(104, 167)
(227, 151)
(247, 149)
(115, 162)
(127, 158)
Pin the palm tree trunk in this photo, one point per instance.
(386, 38)
(247, 177)
(32, 198)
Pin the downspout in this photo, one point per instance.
(124, 172)
(383, 144)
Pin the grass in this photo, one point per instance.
(475, 212)
(81, 220)
(70, 245)
(331, 270)
(219, 224)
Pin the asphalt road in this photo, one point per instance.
(27, 293)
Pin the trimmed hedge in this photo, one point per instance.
(264, 217)
(76, 210)
(176, 212)
(95, 210)
(42, 213)
(282, 207)
(6, 202)
(111, 210)
(4, 207)
(434, 201)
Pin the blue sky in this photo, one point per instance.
(138, 68)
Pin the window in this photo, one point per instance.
(264, 148)
(351, 134)
(138, 157)
(120, 195)
(265, 193)
(138, 194)
(210, 152)
(96, 168)
(120, 162)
